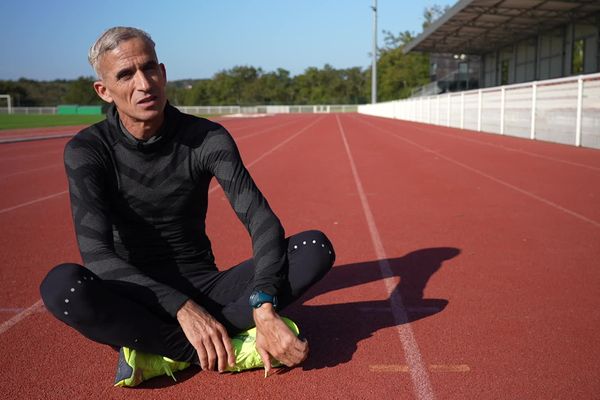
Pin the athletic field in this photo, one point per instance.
(468, 265)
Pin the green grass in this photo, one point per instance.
(16, 121)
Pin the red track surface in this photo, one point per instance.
(16, 134)
(493, 243)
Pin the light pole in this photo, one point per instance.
(374, 63)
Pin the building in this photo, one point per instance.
(525, 68)
(517, 40)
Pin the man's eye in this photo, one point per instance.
(124, 76)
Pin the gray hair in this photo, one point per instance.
(110, 39)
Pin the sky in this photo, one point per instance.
(46, 40)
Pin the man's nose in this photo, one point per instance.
(141, 81)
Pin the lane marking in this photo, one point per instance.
(285, 141)
(418, 371)
(432, 368)
(5, 210)
(450, 368)
(35, 138)
(11, 310)
(389, 368)
(512, 149)
(265, 130)
(409, 309)
(500, 146)
(25, 156)
(216, 185)
(490, 177)
(30, 170)
(38, 306)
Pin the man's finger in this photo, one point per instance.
(266, 360)
(202, 356)
(212, 355)
(221, 354)
(229, 350)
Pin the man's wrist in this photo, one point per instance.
(185, 307)
(264, 312)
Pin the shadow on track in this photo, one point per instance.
(334, 330)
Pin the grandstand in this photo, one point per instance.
(533, 64)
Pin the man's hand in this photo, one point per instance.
(207, 335)
(274, 338)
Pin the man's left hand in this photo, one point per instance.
(274, 338)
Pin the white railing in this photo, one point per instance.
(264, 109)
(212, 110)
(28, 110)
(565, 110)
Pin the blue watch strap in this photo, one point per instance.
(258, 298)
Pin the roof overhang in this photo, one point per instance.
(479, 26)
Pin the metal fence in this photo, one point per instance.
(212, 110)
(565, 110)
(28, 110)
(264, 109)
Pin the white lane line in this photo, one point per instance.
(511, 149)
(418, 370)
(11, 310)
(34, 308)
(500, 146)
(30, 170)
(249, 123)
(5, 210)
(433, 368)
(239, 139)
(35, 138)
(265, 154)
(492, 178)
(26, 156)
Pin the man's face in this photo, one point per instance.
(133, 79)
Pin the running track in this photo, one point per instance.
(468, 266)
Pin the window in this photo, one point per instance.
(578, 56)
(504, 72)
(433, 70)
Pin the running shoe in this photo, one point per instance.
(244, 347)
(135, 367)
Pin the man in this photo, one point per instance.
(138, 185)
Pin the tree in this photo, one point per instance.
(198, 94)
(276, 87)
(400, 73)
(432, 14)
(81, 91)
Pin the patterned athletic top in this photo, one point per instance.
(138, 206)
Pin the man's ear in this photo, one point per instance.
(102, 91)
(164, 71)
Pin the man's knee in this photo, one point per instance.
(315, 249)
(65, 291)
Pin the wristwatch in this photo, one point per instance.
(258, 298)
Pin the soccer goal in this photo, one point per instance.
(8, 102)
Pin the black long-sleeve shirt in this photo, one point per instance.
(139, 205)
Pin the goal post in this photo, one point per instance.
(8, 101)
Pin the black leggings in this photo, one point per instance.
(123, 314)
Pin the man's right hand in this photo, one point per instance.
(207, 335)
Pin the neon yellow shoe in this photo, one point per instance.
(135, 367)
(246, 356)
